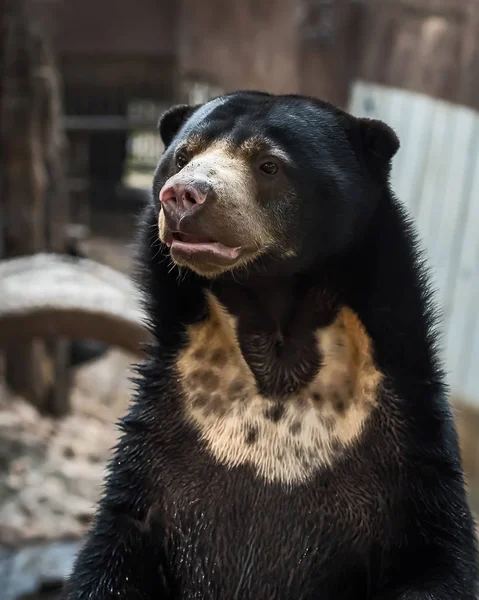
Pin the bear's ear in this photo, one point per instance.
(379, 139)
(172, 120)
(375, 141)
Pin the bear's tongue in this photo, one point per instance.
(194, 244)
(191, 239)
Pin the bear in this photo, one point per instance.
(291, 436)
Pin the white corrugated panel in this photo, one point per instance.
(436, 174)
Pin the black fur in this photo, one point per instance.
(390, 520)
(171, 122)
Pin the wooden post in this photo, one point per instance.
(239, 45)
(32, 185)
(3, 26)
(23, 178)
(56, 215)
(329, 47)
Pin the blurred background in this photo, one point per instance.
(82, 84)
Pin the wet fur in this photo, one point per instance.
(199, 502)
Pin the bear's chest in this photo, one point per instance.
(268, 498)
(228, 531)
(288, 438)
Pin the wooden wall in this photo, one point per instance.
(244, 44)
(427, 46)
(280, 46)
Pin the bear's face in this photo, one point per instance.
(261, 182)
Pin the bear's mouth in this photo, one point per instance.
(195, 246)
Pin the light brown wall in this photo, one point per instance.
(110, 27)
(329, 49)
(249, 44)
(240, 43)
(428, 46)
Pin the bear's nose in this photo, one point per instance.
(182, 198)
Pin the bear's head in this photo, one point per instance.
(257, 182)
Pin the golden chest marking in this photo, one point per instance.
(285, 441)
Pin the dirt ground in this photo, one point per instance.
(51, 470)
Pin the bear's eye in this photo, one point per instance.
(269, 167)
(181, 160)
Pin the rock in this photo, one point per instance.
(32, 568)
(52, 469)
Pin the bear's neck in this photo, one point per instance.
(381, 281)
(276, 324)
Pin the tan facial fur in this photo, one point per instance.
(235, 214)
(285, 441)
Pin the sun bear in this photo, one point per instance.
(291, 437)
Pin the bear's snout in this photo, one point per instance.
(179, 198)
